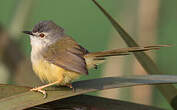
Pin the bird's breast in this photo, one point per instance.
(51, 73)
(47, 71)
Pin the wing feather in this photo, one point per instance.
(67, 54)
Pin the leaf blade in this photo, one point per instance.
(143, 59)
(85, 102)
(30, 99)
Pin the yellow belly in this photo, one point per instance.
(51, 73)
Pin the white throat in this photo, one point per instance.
(38, 47)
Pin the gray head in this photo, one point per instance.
(45, 33)
(47, 27)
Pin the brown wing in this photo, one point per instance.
(67, 54)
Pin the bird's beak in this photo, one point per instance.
(28, 32)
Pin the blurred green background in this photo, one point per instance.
(148, 21)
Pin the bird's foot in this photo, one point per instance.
(70, 86)
(39, 89)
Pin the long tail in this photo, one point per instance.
(94, 58)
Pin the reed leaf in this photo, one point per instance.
(85, 102)
(24, 98)
(168, 91)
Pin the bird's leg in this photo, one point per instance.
(39, 89)
(70, 86)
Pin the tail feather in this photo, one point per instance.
(94, 58)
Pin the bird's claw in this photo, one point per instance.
(70, 86)
(39, 90)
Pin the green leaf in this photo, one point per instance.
(168, 91)
(87, 102)
(9, 90)
(28, 99)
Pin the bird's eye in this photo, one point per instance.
(41, 35)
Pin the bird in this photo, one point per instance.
(59, 60)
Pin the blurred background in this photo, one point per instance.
(148, 21)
